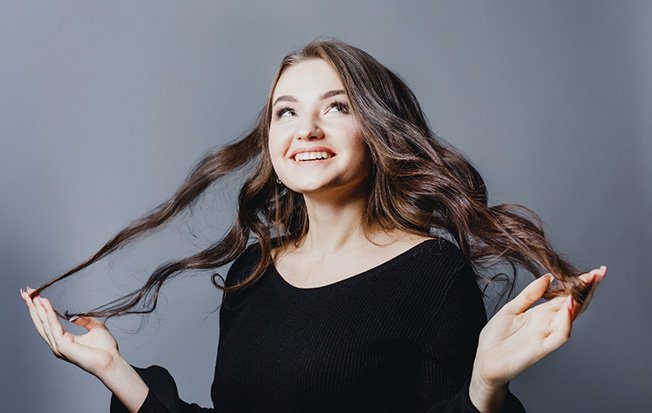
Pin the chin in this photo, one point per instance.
(307, 190)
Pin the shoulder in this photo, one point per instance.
(439, 255)
(450, 264)
(451, 298)
(439, 272)
(426, 252)
(243, 264)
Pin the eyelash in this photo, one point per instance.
(341, 106)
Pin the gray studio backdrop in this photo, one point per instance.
(106, 105)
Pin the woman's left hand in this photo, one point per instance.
(518, 336)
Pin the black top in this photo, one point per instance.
(399, 337)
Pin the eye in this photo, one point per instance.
(340, 106)
(282, 111)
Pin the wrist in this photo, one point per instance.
(114, 369)
(125, 383)
(486, 397)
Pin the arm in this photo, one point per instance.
(163, 395)
(126, 385)
(150, 390)
(134, 390)
(448, 346)
(520, 335)
(96, 351)
(516, 337)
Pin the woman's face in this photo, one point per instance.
(311, 119)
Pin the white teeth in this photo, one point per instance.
(306, 156)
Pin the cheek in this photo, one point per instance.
(273, 155)
(276, 150)
(273, 143)
(276, 138)
(363, 163)
(360, 149)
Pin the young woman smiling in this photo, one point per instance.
(360, 291)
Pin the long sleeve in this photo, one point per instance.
(448, 344)
(400, 337)
(461, 403)
(163, 396)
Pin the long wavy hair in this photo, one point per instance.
(417, 183)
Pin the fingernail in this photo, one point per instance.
(73, 318)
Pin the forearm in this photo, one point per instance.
(485, 398)
(123, 381)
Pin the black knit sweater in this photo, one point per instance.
(400, 337)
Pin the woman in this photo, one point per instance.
(347, 301)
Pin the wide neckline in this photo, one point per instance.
(391, 261)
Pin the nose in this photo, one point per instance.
(309, 129)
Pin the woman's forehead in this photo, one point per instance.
(310, 77)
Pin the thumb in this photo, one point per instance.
(89, 323)
(529, 295)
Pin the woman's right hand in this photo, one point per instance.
(96, 351)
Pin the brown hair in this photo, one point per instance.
(417, 183)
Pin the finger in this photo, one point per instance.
(554, 304)
(595, 275)
(600, 272)
(55, 326)
(89, 323)
(588, 298)
(563, 326)
(591, 281)
(542, 317)
(589, 277)
(40, 310)
(546, 309)
(529, 295)
(35, 318)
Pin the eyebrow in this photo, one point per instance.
(326, 95)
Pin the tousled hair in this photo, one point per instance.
(417, 183)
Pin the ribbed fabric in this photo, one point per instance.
(400, 337)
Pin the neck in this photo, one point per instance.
(335, 223)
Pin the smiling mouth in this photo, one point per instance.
(312, 157)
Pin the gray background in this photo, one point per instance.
(106, 105)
